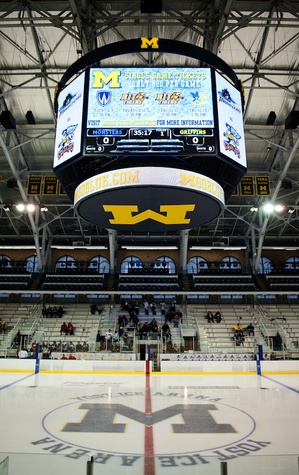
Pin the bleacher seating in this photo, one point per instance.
(151, 282)
(231, 283)
(73, 282)
(14, 281)
(283, 282)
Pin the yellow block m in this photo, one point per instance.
(146, 43)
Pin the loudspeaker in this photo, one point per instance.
(30, 117)
(286, 185)
(271, 118)
(7, 120)
(12, 183)
(151, 6)
(292, 120)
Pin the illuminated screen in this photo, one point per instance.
(230, 121)
(150, 111)
(69, 121)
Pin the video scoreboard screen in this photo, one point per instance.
(149, 112)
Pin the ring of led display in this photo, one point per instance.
(149, 199)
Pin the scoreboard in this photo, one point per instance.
(150, 111)
(149, 149)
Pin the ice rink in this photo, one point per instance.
(149, 424)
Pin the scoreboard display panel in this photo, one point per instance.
(150, 111)
(110, 118)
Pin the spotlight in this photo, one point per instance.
(6, 207)
(30, 207)
(268, 208)
(290, 210)
(279, 208)
(20, 207)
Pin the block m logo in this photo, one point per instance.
(196, 419)
(146, 43)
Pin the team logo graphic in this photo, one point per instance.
(197, 97)
(104, 97)
(226, 97)
(69, 99)
(185, 429)
(67, 142)
(132, 98)
(168, 98)
(231, 140)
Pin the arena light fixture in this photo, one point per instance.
(29, 207)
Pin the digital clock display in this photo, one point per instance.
(150, 133)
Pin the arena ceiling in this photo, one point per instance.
(40, 40)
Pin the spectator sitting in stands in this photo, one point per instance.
(218, 316)
(239, 338)
(60, 311)
(250, 329)
(72, 357)
(63, 329)
(79, 346)
(63, 357)
(70, 328)
(85, 346)
(238, 327)
(71, 347)
(93, 308)
(210, 317)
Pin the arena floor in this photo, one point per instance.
(149, 425)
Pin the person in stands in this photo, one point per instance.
(70, 328)
(210, 316)
(217, 317)
(23, 354)
(250, 329)
(63, 329)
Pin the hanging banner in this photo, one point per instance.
(34, 186)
